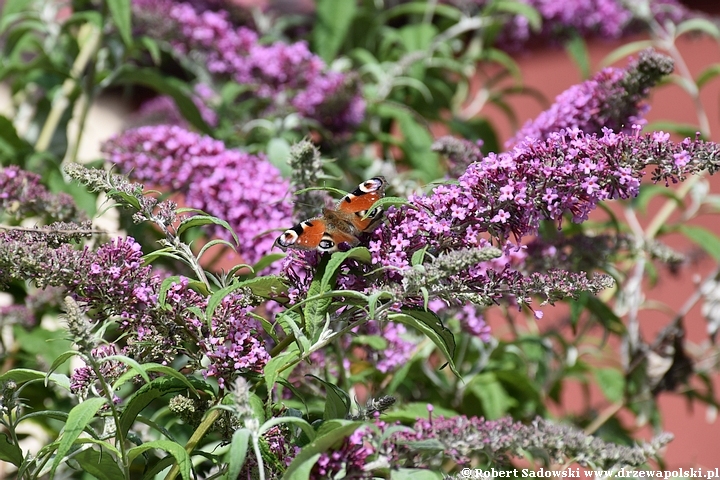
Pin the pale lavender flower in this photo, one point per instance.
(569, 173)
(243, 189)
(460, 439)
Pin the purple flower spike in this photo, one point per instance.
(243, 189)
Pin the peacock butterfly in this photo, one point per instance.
(344, 224)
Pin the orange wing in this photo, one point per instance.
(306, 235)
(361, 199)
(314, 234)
(336, 227)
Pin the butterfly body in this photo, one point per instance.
(344, 224)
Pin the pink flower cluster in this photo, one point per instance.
(288, 76)
(613, 99)
(243, 189)
(607, 19)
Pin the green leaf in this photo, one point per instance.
(416, 146)
(62, 358)
(332, 23)
(120, 12)
(698, 24)
(9, 452)
(477, 129)
(42, 343)
(266, 261)
(129, 362)
(705, 239)
(648, 192)
(273, 366)
(169, 282)
(390, 202)
(235, 456)
(332, 432)
(300, 422)
(152, 47)
(199, 220)
(625, 50)
(418, 256)
(495, 400)
(78, 418)
(611, 382)
(268, 286)
(24, 375)
(414, 410)
(278, 152)
(429, 324)
(706, 75)
(181, 457)
(287, 320)
(337, 403)
(375, 342)
(324, 282)
(124, 198)
(418, 8)
(518, 8)
(213, 243)
(10, 142)
(361, 254)
(154, 367)
(177, 89)
(577, 49)
(100, 465)
(217, 297)
(417, 36)
(149, 392)
(603, 313)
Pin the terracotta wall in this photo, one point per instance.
(697, 441)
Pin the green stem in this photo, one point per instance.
(92, 36)
(197, 435)
(282, 345)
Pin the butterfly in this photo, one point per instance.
(344, 224)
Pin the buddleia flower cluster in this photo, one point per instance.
(288, 77)
(431, 442)
(613, 98)
(605, 19)
(245, 190)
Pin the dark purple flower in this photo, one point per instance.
(350, 457)
(22, 195)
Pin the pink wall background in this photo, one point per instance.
(697, 435)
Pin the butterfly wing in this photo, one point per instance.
(358, 202)
(305, 235)
(338, 226)
(313, 234)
